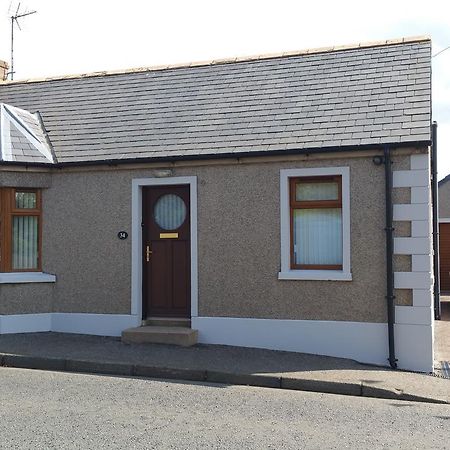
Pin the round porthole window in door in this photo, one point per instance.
(170, 212)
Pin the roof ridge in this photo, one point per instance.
(231, 60)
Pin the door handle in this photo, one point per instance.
(148, 252)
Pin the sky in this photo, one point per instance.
(67, 37)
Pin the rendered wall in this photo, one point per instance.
(238, 251)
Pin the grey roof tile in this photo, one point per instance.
(367, 95)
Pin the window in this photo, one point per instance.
(20, 230)
(315, 224)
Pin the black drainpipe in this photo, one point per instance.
(434, 193)
(389, 256)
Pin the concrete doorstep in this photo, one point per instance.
(342, 387)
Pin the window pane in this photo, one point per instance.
(170, 212)
(317, 191)
(318, 236)
(25, 242)
(26, 200)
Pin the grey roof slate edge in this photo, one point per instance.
(231, 60)
(215, 156)
(444, 180)
(47, 138)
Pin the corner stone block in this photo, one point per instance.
(420, 195)
(412, 246)
(411, 212)
(411, 280)
(410, 178)
(422, 297)
(421, 263)
(419, 162)
(420, 228)
(413, 315)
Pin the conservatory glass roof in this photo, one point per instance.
(22, 137)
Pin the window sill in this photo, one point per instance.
(321, 275)
(26, 277)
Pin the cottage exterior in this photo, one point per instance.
(246, 195)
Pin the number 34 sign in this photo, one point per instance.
(122, 235)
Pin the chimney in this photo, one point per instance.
(3, 70)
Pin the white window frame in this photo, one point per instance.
(286, 273)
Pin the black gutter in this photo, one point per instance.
(215, 156)
(435, 204)
(390, 297)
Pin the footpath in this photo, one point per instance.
(218, 364)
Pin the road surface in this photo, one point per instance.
(51, 410)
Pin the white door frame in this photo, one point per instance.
(136, 238)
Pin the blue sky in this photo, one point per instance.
(84, 36)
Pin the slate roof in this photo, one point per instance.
(366, 95)
(444, 180)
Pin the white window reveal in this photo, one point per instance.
(315, 224)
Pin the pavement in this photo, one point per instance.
(218, 364)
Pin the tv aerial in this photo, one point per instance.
(19, 14)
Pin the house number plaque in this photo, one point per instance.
(122, 235)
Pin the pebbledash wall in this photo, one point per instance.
(238, 298)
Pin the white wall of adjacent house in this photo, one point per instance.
(414, 324)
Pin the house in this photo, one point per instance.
(444, 235)
(279, 202)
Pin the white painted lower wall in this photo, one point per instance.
(363, 342)
(98, 324)
(25, 323)
(79, 323)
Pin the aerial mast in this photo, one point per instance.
(15, 22)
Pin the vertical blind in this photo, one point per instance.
(25, 200)
(318, 236)
(25, 242)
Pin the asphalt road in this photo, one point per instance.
(47, 410)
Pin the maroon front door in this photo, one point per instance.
(166, 251)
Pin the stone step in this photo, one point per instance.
(160, 335)
(167, 322)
